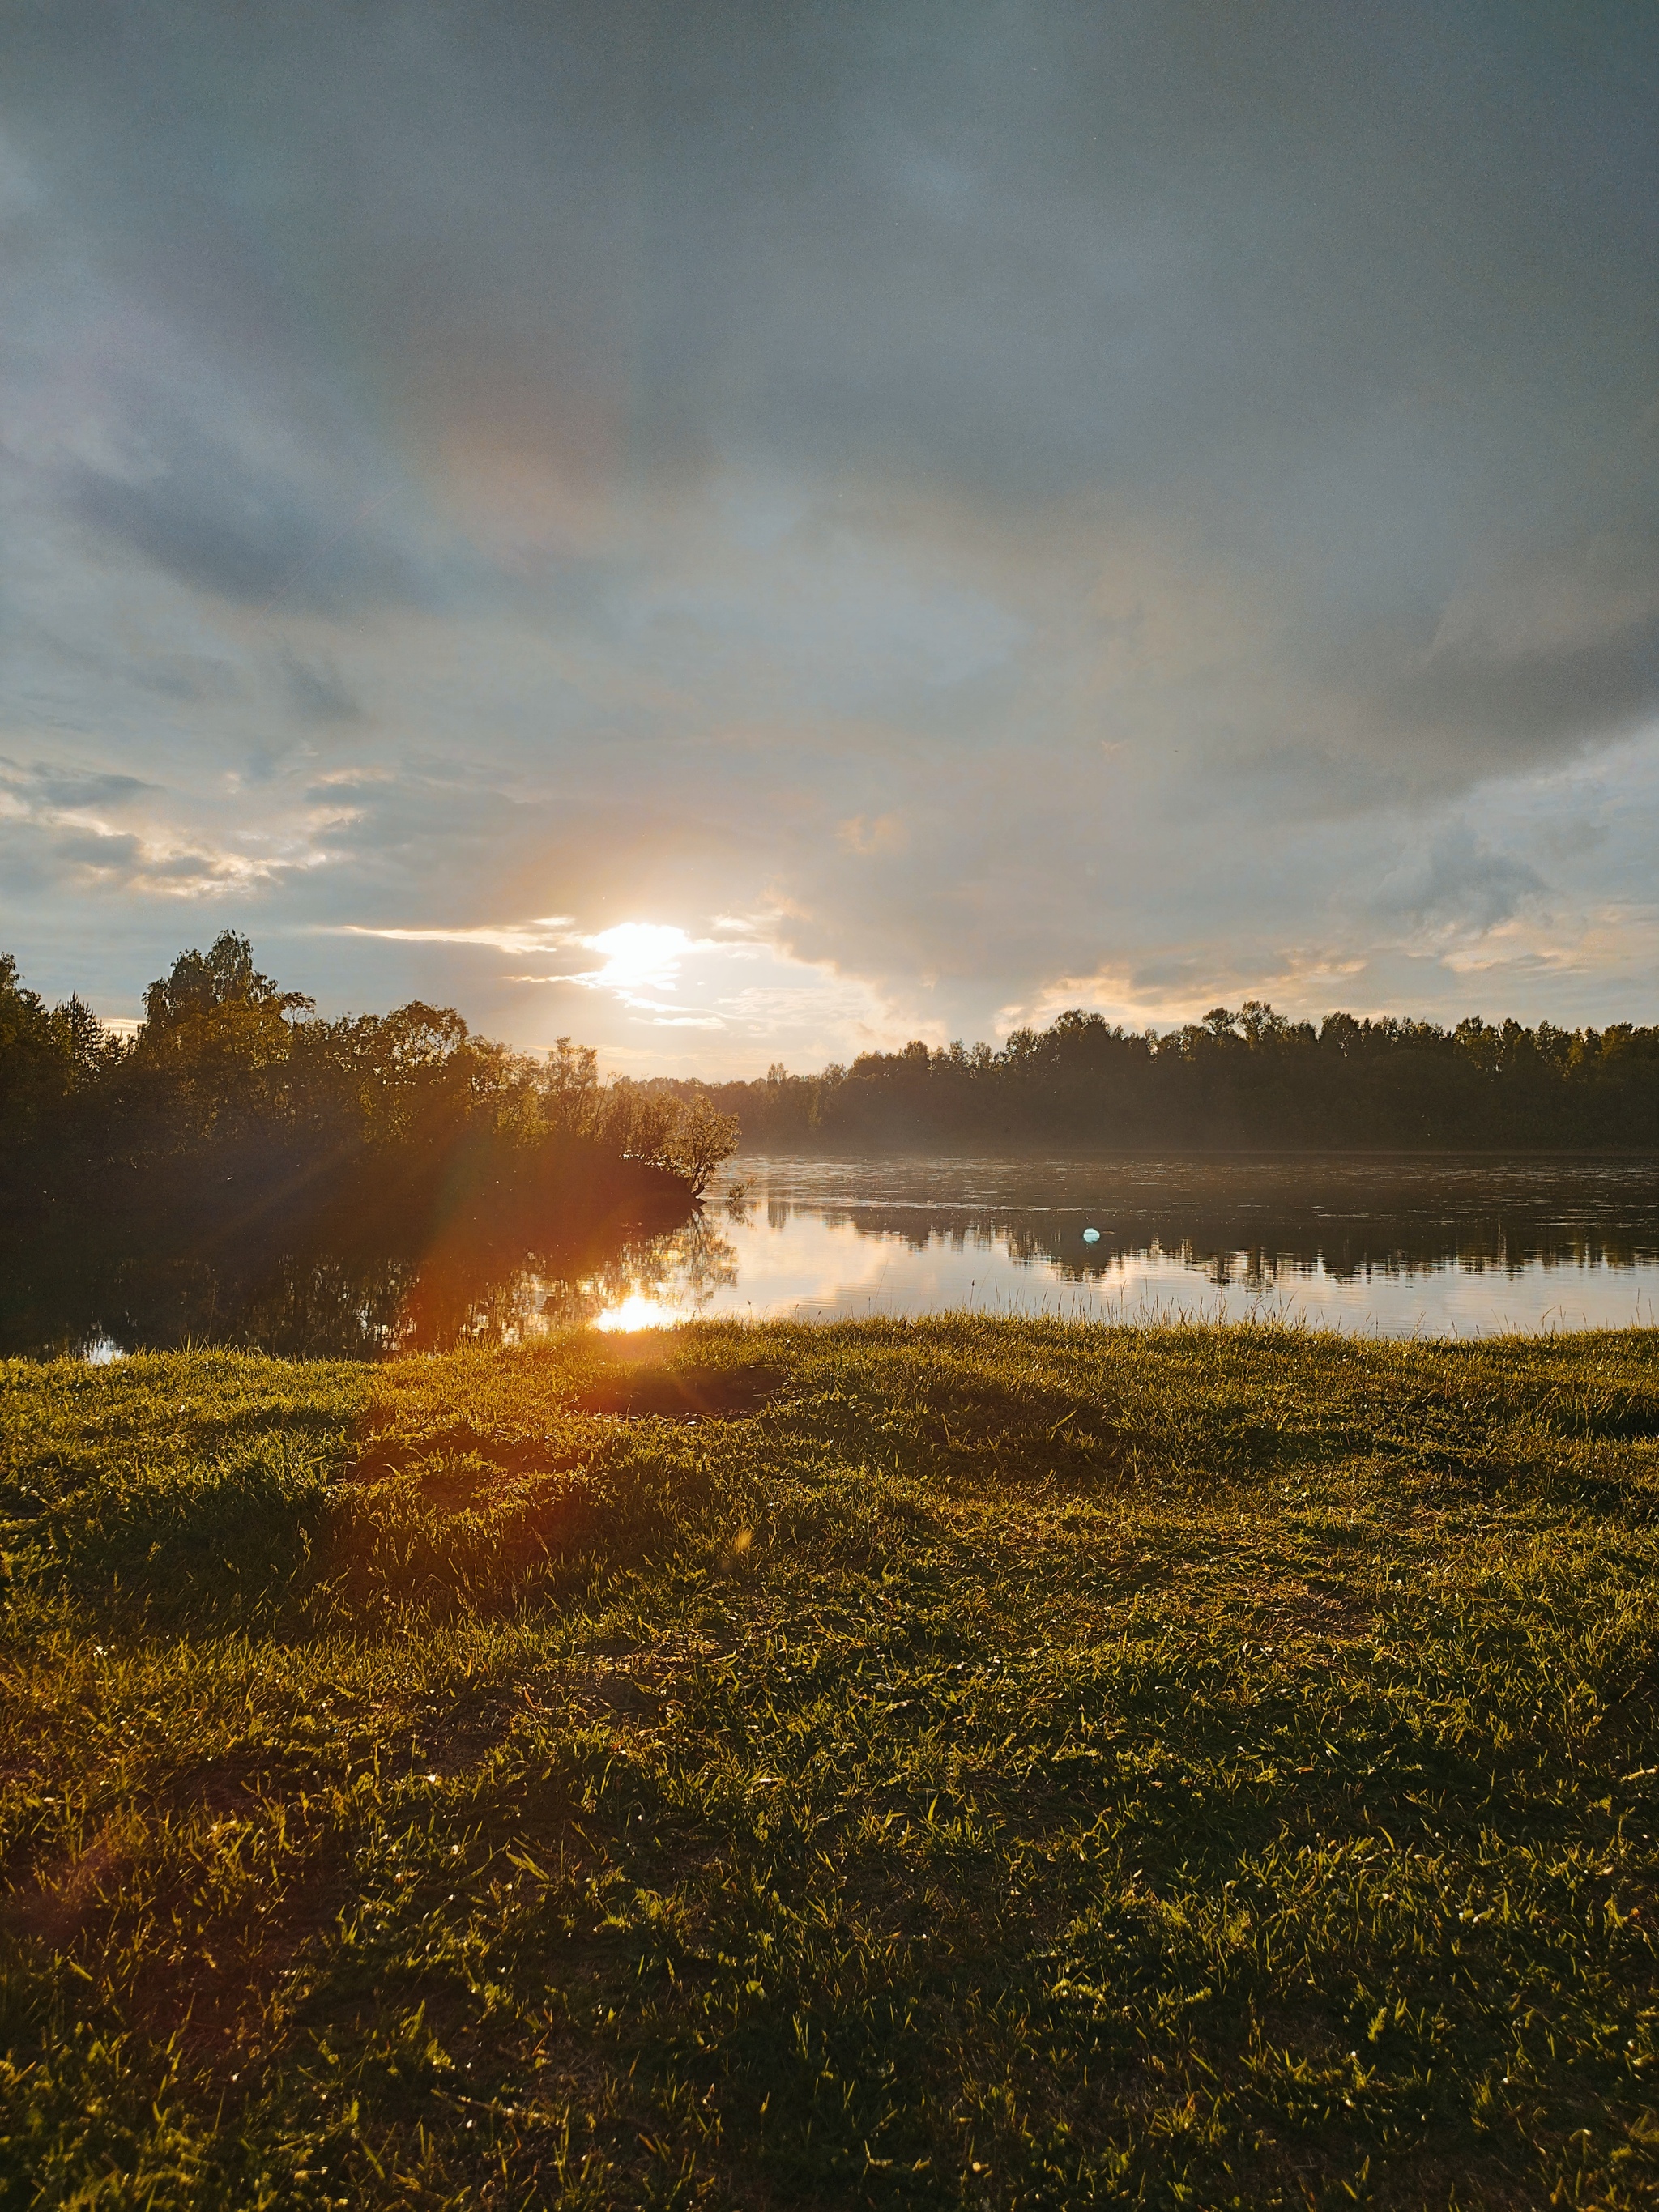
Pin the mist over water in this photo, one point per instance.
(1436, 1248)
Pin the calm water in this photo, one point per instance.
(1385, 1246)
(1395, 1247)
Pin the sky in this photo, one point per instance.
(744, 533)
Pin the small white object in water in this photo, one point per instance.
(1091, 1236)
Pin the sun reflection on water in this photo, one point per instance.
(638, 1311)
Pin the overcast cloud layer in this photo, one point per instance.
(747, 532)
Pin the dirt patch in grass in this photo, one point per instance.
(58, 1906)
(615, 1691)
(233, 1786)
(212, 2000)
(673, 1394)
(463, 1744)
(458, 1462)
(1299, 1609)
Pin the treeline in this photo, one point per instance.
(1245, 1080)
(234, 1101)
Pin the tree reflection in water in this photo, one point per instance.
(672, 1275)
(354, 1302)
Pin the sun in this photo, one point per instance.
(639, 956)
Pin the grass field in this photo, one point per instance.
(971, 1763)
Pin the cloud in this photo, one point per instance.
(883, 834)
(1577, 599)
(1458, 882)
(19, 192)
(85, 830)
(63, 785)
(317, 690)
(198, 510)
(530, 937)
(1165, 990)
(98, 859)
(1062, 500)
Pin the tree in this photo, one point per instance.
(48, 1056)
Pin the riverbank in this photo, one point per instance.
(965, 1762)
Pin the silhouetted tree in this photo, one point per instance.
(231, 1080)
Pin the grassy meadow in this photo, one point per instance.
(963, 1763)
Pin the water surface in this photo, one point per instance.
(1396, 1246)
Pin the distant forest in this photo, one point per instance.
(233, 1099)
(235, 1105)
(1248, 1080)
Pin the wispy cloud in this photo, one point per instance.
(543, 936)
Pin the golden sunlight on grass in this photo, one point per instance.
(966, 1763)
